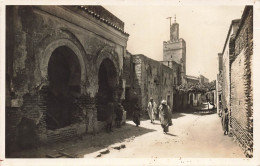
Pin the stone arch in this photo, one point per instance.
(60, 115)
(106, 53)
(108, 85)
(64, 87)
(49, 50)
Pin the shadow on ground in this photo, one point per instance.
(205, 112)
(87, 144)
(177, 115)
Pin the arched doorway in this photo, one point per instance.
(107, 87)
(64, 75)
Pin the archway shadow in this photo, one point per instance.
(127, 132)
(88, 143)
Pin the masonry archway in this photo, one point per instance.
(64, 76)
(107, 87)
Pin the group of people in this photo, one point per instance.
(163, 110)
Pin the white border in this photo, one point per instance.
(136, 161)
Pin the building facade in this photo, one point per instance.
(153, 79)
(203, 79)
(242, 83)
(63, 63)
(235, 86)
(192, 79)
(219, 83)
(228, 52)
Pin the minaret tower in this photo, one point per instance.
(175, 50)
(174, 31)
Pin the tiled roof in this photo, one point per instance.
(111, 21)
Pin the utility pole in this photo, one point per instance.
(170, 21)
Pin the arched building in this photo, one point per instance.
(63, 64)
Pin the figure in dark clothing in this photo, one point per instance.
(110, 116)
(225, 120)
(119, 114)
(136, 115)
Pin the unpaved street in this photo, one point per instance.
(192, 135)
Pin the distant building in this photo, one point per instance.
(175, 50)
(203, 79)
(150, 78)
(192, 79)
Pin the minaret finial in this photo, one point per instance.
(175, 18)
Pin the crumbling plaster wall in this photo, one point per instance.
(35, 32)
(153, 80)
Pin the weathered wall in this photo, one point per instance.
(227, 52)
(130, 77)
(219, 83)
(153, 80)
(167, 85)
(241, 83)
(176, 71)
(226, 80)
(33, 33)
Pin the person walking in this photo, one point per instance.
(225, 120)
(165, 116)
(119, 114)
(136, 114)
(151, 109)
(110, 116)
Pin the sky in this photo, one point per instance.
(204, 28)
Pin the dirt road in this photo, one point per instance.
(192, 135)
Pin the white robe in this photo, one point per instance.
(152, 110)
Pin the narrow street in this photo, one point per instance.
(197, 135)
(190, 136)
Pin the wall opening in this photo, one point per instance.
(64, 77)
(107, 82)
